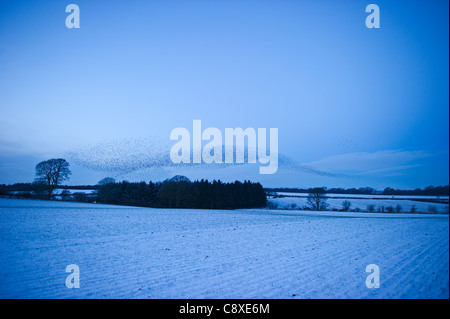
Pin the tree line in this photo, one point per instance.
(179, 192)
(427, 191)
(202, 194)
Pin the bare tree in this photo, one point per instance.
(346, 205)
(52, 173)
(317, 199)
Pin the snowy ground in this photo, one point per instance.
(362, 203)
(125, 252)
(368, 196)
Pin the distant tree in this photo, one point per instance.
(413, 209)
(3, 190)
(346, 205)
(430, 191)
(110, 193)
(389, 209)
(388, 191)
(106, 180)
(52, 172)
(178, 178)
(80, 197)
(272, 205)
(317, 199)
(432, 209)
(398, 208)
(175, 194)
(39, 189)
(371, 208)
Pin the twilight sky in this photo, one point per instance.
(353, 106)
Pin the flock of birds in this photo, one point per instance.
(131, 155)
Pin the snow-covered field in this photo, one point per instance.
(368, 196)
(125, 252)
(58, 191)
(362, 204)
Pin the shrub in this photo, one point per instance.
(432, 209)
(272, 205)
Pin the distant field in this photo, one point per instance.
(130, 252)
(424, 204)
(369, 196)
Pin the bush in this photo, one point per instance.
(272, 205)
(81, 197)
(65, 195)
(432, 209)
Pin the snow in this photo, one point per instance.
(362, 203)
(367, 196)
(58, 191)
(129, 252)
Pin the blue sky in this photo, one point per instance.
(368, 104)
